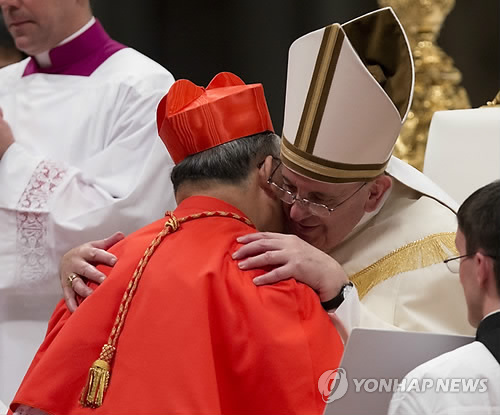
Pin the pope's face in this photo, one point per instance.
(38, 25)
(324, 233)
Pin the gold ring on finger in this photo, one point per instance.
(71, 278)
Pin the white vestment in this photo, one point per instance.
(395, 260)
(87, 161)
(464, 381)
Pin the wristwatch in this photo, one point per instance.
(336, 301)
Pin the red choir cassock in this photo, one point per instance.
(177, 327)
(199, 336)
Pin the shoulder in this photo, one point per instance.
(131, 68)
(408, 219)
(416, 180)
(460, 381)
(134, 61)
(10, 73)
(415, 214)
(468, 361)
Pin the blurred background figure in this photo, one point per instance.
(80, 159)
(8, 51)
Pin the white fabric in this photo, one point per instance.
(415, 180)
(425, 299)
(341, 135)
(463, 150)
(470, 362)
(87, 162)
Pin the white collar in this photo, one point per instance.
(43, 59)
(489, 314)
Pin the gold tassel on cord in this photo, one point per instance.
(99, 374)
(98, 379)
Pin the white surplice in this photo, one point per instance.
(461, 382)
(87, 161)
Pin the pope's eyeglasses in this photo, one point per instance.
(317, 209)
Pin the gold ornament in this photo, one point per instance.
(437, 81)
(495, 102)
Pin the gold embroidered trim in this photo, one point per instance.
(425, 252)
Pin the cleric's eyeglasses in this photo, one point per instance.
(454, 265)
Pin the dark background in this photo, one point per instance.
(195, 39)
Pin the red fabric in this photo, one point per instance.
(192, 119)
(200, 337)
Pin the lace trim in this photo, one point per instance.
(28, 410)
(31, 219)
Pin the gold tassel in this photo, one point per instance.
(97, 383)
(98, 379)
(92, 394)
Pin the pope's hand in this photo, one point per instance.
(292, 258)
(6, 136)
(80, 263)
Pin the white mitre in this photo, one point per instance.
(349, 89)
(463, 150)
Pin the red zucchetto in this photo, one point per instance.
(192, 119)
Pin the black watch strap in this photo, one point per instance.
(337, 300)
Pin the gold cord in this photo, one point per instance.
(99, 374)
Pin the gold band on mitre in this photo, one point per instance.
(323, 170)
